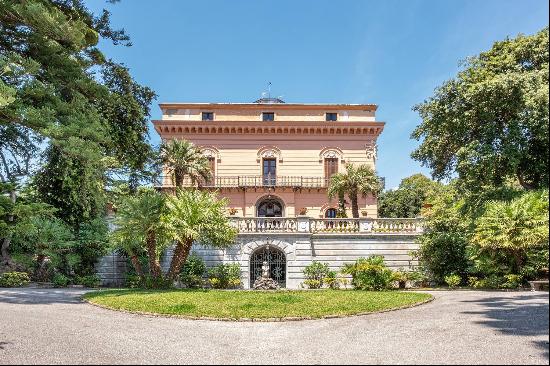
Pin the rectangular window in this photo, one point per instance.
(331, 167)
(269, 172)
(268, 116)
(207, 116)
(332, 116)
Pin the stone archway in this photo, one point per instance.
(275, 258)
(249, 248)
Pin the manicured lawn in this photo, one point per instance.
(254, 304)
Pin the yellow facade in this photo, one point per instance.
(295, 146)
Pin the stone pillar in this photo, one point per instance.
(303, 224)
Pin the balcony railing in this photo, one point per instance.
(250, 181)
(311, 225)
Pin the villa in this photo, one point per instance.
(273, 161)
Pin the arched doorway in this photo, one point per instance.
(276, 260)
(269, 207)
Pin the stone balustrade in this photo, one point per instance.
(304, 224)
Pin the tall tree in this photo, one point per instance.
(358, 180)
(408, 198)
(55, 82)
(182, 159)
(196, 216)
(490, 123)
(138, 220)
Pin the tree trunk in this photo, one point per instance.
(154, 265)
(181, 252)
(137, 265)
(341, 204)
(354, 205)
(178, 177)
(4, 251)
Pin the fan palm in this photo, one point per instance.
(194, 215)
(515, 226)
(181, 158)
(138, 220)
(357, 180)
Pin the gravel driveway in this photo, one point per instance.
(460, 327)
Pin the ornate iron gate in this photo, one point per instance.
(277, 264)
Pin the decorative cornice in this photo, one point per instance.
(279, 127)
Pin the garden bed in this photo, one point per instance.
(255, 305)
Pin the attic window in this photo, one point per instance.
(171, 111)
(268, 116)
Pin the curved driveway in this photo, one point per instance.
(460, 327)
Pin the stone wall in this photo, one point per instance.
(300, 250)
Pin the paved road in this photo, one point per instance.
(53, 326)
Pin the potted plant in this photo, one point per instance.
(232, 211)
(303, 211)
(364, 213)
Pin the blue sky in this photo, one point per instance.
(391, 53)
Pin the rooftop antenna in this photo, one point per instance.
(269, 89)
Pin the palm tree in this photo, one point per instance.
(195, 216)
(138, 220)
(181, 158)
(358, 180)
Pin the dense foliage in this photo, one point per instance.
(369, 273)
(149, 221)
(71, 120)
(225, 276)
(488, 127)
(407, 200)
(490, 123)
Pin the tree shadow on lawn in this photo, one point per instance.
(42, 296)
(525, 315)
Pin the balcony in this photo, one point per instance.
(303, 224)
(250, 181)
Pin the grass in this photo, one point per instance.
(254, 304)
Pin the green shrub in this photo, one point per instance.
(332, 280)
(490, 282)
(88, 281)
(133, 281)
(453, 280)
(225, 276)
(60, 280)
(512, 281)
(192, 272)
(315, 274)
(369, 274)
(14, 279)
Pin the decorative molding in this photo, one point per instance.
(371, 150)
(210, 152)
(331, 153)
(269, 152)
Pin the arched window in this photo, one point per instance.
(270, 208)
(330, 213)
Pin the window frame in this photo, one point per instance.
(268, 113)
(205, 113)
(335, 114)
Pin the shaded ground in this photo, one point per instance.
(53, 326)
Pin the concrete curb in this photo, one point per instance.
(256, 320)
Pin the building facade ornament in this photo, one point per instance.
(210, 152)
(269, 152)
(371, 150)
(331, 153)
